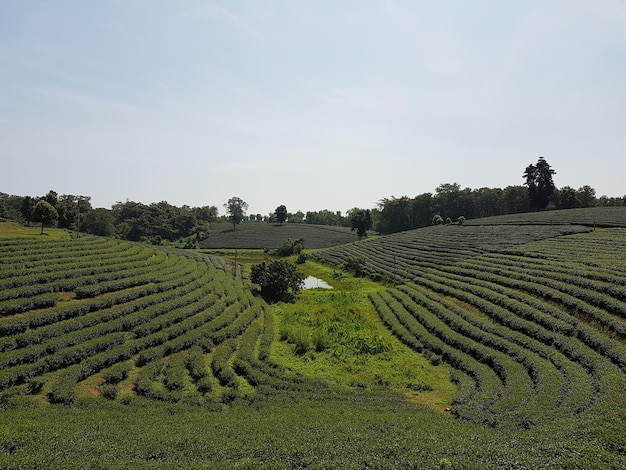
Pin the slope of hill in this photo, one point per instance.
(535, 329)
(260, 235)
(532, 319)
(589, 216)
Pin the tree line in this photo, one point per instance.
(128, 220)
(160, 221)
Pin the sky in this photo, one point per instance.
(314, 104)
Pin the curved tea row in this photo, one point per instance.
(124, 319)
(535, 331)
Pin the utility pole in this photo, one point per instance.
(78, 217)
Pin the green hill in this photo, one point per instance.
(589, 216)
(260, 235)
(121, 355)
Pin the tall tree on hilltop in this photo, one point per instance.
(540, 185)
(44, 213)
(281, 214)
(236, 209)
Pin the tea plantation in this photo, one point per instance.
(119, 355)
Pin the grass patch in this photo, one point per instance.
(15, 230)
(336, 335)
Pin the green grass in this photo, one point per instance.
(13, 230)
(335, 334)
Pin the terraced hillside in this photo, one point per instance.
(536, 330)
(260, 235)
(590, 216)
(531, 318)
(113, 318)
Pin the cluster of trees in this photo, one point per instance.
(450, 201)
(65, 211)
(128, 220)
(162, 221)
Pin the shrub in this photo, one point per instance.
(355, 266)
(290, 247)
(109, 391)
(437, 220)
(278, 280)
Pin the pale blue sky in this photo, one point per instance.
(312, 104)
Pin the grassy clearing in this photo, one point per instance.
(335, 335)
(15, 230)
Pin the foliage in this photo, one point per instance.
(355, 265)
(44, 213)
(361, 221)
(236, 209)
(99, 222)
(290, 247)
(437, 220)
(281, 214)
(540, 185)
(325, 217)
(279, 280)
(160, 221)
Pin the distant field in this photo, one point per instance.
(261, 235)
(590, 216)
(401, 256)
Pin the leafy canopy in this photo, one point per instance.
(540, 185)
(236, 209)
(361, 221)
(44, 213)
(281, 214)
(279, 280)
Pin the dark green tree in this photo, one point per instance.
(361, 221)
(565, 198)
(44, 213)
(236, 209)
(52, 198)
(28, 204)
(279, 280)
(281, 214)
(586, 196)
(539, 183)
(99, 222)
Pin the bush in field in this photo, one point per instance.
(109, 391)
(437, 220)
(278, 280)
(355, 266)
(291, 247)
